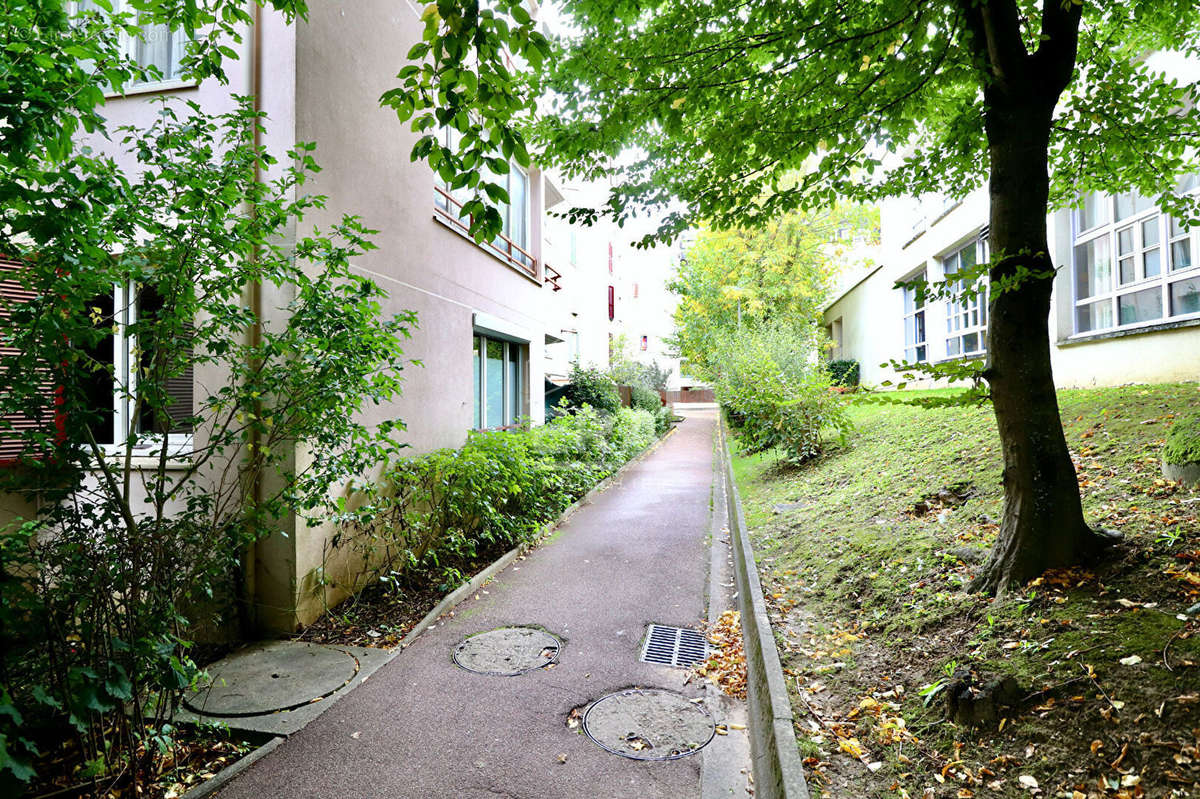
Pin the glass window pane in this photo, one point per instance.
(518, 194)
(514, 384)
(1093, 267)
(1176, 228)
(1127, 271)
(1096, 316)
(953, 346)
(1124, 204)
(1185, 296)
(1125, 241)
(967, 256)
(160, 47)
(1141, 306)
(1150, 232)
(920, 319)
(494, 391)
(1093, 212)
(1181, 254)
(970, 342)
(478, 367)
(1152, 262)
(920, 353)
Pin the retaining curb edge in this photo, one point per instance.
(778, 770)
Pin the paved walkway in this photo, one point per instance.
(421, 727)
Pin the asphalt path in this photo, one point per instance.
(423, 728)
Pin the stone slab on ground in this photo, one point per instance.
(252, 685)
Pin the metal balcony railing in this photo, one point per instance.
(449, 207)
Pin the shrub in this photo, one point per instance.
(645, 399)
(632, 432)
(1183, 441)
(662, 420)
(844, 372)
(775, 395)
(590, 386)
(442, 511)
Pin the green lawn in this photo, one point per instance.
(863, 562)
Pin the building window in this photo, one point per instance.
(119, 360)
(966, 313)
(158, 48)
(645, 343)
(612, 303)
(499, 386)
(914, 322)
(1132, 264)
(513, 242)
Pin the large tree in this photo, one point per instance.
(777, 272)
(702, 109)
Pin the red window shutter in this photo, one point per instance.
(610, 260)
(16, 425)
(612, 303)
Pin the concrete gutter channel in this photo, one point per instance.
(281, 725)
(778, 770)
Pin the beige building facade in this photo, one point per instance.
(1125, 307)
(486, 312)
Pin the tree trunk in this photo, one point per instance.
(1043, 525)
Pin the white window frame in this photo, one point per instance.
(1163, 281)
(125, 381)
(970, 314)
(509, 415)
(908, 293)
(129, 50)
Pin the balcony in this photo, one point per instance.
(448, 209)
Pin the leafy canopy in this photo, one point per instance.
(717, 103)
(776, 273)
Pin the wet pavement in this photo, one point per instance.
(423, 727)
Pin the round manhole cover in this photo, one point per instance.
(508, 651)
(649, 724)
(267, 678)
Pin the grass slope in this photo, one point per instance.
(863, 554)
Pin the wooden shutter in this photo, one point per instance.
(16, 426)
(612, 303)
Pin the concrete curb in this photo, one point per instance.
(225, 775)
(778, 770)
(504, 561)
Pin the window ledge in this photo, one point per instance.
(1156, 327)
(441, 219)
(153, 88)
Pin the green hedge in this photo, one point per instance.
(442, 512)
(774, 395)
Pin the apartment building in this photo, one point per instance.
(483, 310)
(1125, 306)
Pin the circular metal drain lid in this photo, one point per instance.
(507, 651)
(267, 678)
(649, 724)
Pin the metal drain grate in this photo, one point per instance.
(674, 646)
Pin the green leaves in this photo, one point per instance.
(132, 547)
(465, 77)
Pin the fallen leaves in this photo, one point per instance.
(726, 667)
